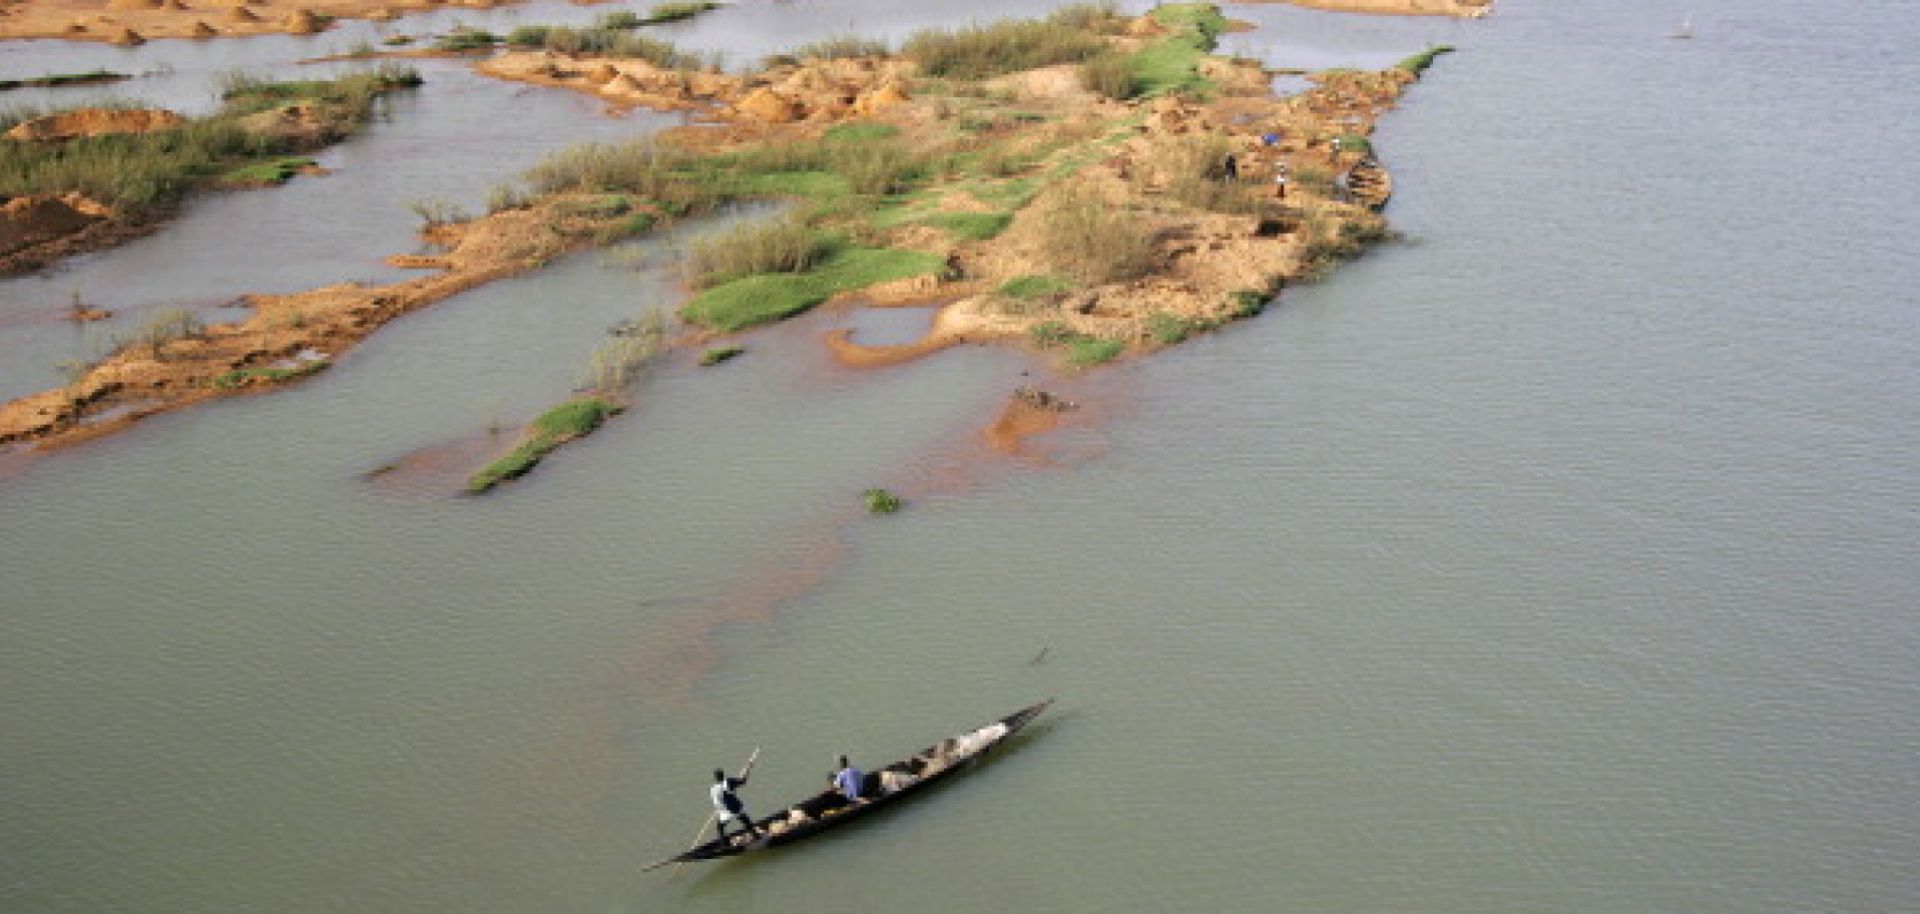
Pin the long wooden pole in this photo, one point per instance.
(744, 771)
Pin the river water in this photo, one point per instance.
(1557, 557)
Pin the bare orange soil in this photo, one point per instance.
(288, 335)
(1206, 264)
(132, 22)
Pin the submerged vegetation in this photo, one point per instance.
(91, 77)
(881, 501)
(557, 426)
(611, 371)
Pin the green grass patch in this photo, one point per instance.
(674, 12)
(770, 297)
(1083, 351)
(271, 171)
(1035, 285)
(1168, 328)
(723, 354)
(1172, 64)
(557, 426)
(1086, 352)
(466, 40)
(970, 226)
(1418, 63)
(860, 132)
(241, 377)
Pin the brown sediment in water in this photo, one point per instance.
(437, 470)
(668, 665)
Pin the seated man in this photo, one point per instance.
(847, 780)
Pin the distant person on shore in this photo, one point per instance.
(727, 806)
(847, 780)
(1280, 180)
(1230, 169)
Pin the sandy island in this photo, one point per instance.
(1218, 244)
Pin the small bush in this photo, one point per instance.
(876, 169)
(620, 361)
(166, 326)
(642, 167)
(434, 211)
(528, 36)
(881, 501)
(1096, 243)
(1418, 63)
(1111, 74)
(504, 197)
(1249, 302)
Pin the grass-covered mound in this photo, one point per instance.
(141, 174)
(557, 426)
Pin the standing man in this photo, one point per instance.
(727, 806)
(847, 779)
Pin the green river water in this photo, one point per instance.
(1558, 557)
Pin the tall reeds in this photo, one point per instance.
(783, 245)
(981, 51)
(620, 361)
(661, 174)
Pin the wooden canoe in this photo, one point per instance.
(882, 787)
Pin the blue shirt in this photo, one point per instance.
(847, 781)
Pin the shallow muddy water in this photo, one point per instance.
(1554, 558)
